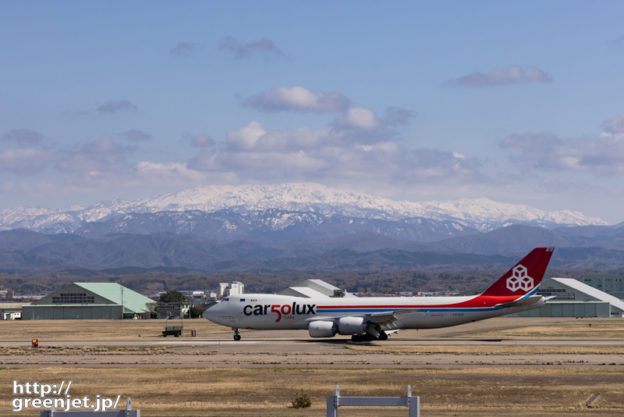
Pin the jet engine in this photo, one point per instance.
(351, 325)
(322, 328)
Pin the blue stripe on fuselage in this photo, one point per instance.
(527, 295)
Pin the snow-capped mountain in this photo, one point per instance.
(311, 209)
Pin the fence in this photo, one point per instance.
(335, 401)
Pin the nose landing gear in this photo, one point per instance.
(237, 336)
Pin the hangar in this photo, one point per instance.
(11, 311)
(612, 284)
(315, 288)
(90, 300)
(573, 298)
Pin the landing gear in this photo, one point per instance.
(237, 336)
(362, 338)
(367, 337)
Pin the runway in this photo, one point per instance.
(404, 351)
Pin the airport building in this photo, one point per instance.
(90, 300)
(11, 310)
(611, 284)
(573, 298)
(312, 288)
(231, 288)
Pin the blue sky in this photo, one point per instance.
(520, 102)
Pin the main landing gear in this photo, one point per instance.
(237, 336)
(367, 337)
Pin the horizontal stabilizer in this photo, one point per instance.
(524, 301)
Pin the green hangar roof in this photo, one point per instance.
(98, 293)
(118, 294)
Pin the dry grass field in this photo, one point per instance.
(101, 329)
(268, 392)
(179, 378)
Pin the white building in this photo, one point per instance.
(11, 311)
(231, 288)
(314, 288)
(573, 298)
(236, 288)
(223, 287)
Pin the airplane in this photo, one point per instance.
(373, 318)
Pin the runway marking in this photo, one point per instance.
(206, 342)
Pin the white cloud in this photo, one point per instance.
(614, 126)
(254, 153)
(182, 49)
(45, 191)
(202, 141)
(101, 157)
(361, 118)
(135, 135)
(398, 116)
(115, 106)
(246, 137)
(599, 155)
(345, 133)
(297, 98)
(619, 41)
(542, 151)
(24, 137)
(25, 160)
(264, 47)
(255, 137)
(168, 173)
(358, 148)
(511, 75)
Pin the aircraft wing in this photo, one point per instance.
(383, 318)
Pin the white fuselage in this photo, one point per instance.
(370, 318)
(267, 312)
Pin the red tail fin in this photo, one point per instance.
(524, 277)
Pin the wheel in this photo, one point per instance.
(237, 337)
(383, 336)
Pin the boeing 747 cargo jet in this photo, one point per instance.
(372, 318)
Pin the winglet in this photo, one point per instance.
(524, 277)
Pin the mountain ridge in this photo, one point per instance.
(312, 203)
(24, 249)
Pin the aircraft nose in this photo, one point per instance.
(210, 311)
(220, 313)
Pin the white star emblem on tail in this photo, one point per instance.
(519, 280)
